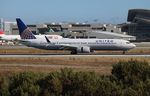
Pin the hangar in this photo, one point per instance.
(139, 24)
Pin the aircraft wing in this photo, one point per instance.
(68, 46)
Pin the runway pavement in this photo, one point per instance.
(64, 55)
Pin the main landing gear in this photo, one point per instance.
(73, 52)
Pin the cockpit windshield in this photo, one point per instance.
(127, 42)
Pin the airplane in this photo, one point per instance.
(74, 45)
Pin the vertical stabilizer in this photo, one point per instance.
(24, 31)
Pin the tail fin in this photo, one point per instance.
(24, 32)
(50, 29)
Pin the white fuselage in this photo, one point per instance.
(81, 44)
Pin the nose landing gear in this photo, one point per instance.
(124, 52)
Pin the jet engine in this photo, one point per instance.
(84, 49)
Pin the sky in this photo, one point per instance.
(41, 11)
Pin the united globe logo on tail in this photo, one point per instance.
(27, 34)
(24, 32)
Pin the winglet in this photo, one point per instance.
(47, 40)
(24, 32)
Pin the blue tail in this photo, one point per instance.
(24, 32)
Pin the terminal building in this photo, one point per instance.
(72, 30)
(1, 24)
(139, 24)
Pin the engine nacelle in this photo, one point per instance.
(84, 49)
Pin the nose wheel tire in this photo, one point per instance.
(124, 52)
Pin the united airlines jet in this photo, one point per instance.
(74, 45)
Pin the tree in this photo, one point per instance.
(131, 72)
(51, 84)
(4, 84)
(24, 84)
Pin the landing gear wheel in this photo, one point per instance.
(124, 52)
(73, 52)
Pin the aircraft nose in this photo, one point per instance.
(133, 45)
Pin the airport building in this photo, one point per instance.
(8, 27)
(70, 30)
(1, 24)
(139, 24)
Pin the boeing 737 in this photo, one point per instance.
(74, 45)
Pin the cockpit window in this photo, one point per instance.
(127, 42)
